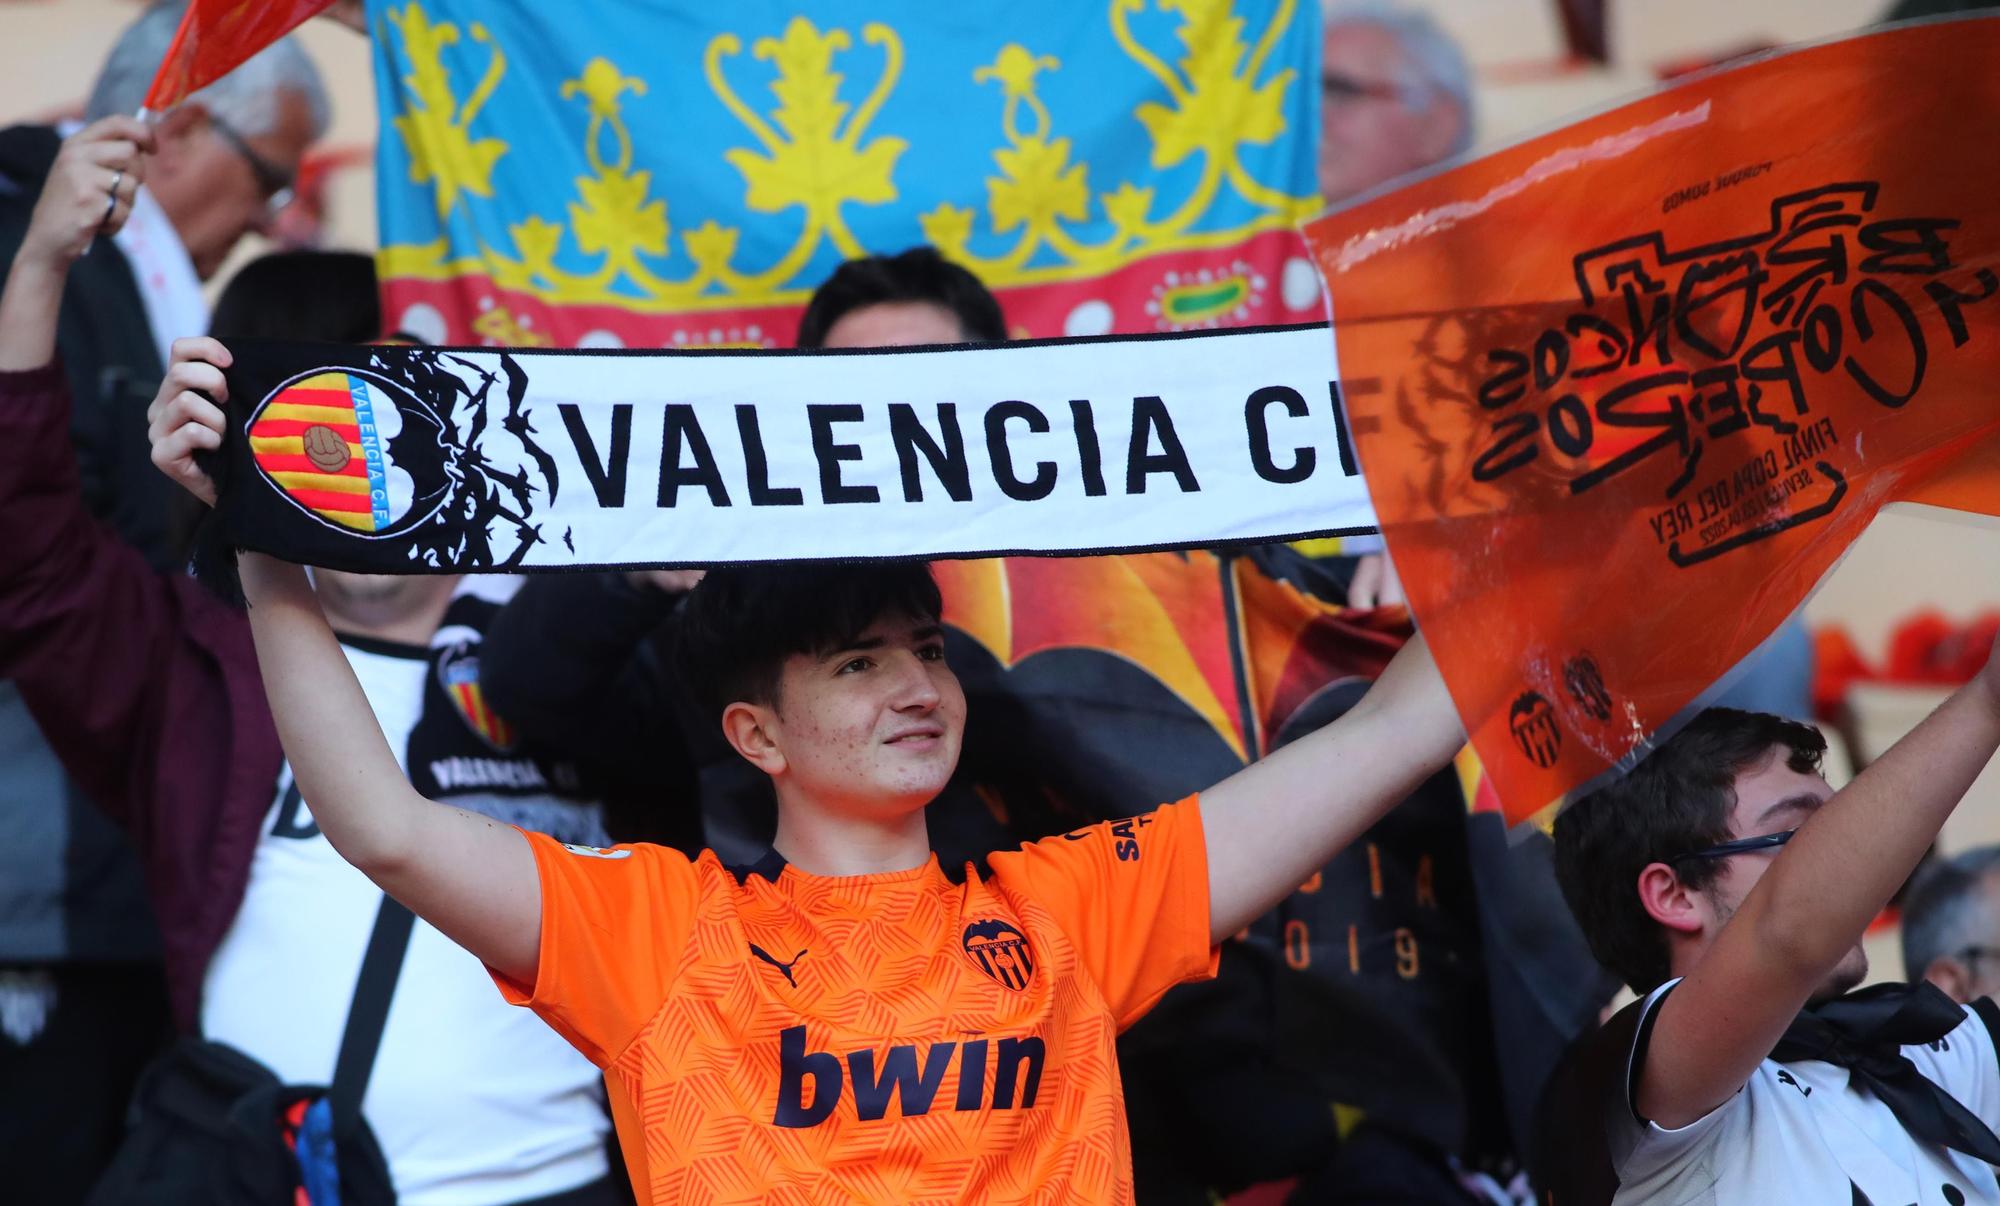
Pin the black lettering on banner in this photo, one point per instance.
(683, 427)
(1951, 302)
(607, 476)
(757, 466)
(946, 459)
(1515, 447)
(1044, 482)
(1149, 416)
(1828, 286)
(822, 416)
(1865, 329)
(1258, 422)
(1508, 385)
(1344, 443)
(1907, 245)
(1087, 450)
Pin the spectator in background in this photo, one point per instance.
(224, 159)
(147, 688)
(81, 999)
(1951, 925)
(1730, 886)
(1395, 96)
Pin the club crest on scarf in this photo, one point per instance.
(400, 450)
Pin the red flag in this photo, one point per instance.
(217, 36)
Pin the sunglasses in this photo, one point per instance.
(1763, 841)
(273, 181)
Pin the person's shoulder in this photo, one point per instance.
(26, 153)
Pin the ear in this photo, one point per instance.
(1952, 976)
(1670, 902)
(752, 731)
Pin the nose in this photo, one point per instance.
(916, 690)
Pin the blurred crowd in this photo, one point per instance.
(171, 917)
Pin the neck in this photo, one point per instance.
(407, 611)
(822, 843)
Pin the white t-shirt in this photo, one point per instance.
(1800, 1132)
(473, 1102)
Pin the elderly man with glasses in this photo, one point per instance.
(82, 1005)
(1730, 885)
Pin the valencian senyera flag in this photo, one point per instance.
(1636, 384)
(628, 174)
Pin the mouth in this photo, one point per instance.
(923, 738)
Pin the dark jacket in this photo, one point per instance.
(70, 884)
(144, 684)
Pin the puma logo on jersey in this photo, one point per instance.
(909, 1072)
(786, 968)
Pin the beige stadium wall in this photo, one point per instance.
(49, 50)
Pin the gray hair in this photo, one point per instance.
(1942, 915)
(1441, 68)
(245, 100)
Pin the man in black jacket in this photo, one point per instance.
(81, 1001)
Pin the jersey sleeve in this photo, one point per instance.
(1966, 1062)
(615, 923)
(1131, 896)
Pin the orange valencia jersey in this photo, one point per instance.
(768, 1035)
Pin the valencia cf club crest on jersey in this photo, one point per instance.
(1001, 951)
(458, 671)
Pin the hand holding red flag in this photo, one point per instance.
(217, 36)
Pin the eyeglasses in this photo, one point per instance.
(273, 181)
(1763, 841)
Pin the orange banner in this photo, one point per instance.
(1625, 392)
(217, 36)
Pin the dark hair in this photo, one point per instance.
(1676, 802)
(314, 295)
(917, 275)
(741, 623)
(1941, 916)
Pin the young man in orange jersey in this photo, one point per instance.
(843, 1021)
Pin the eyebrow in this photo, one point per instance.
(870, 644)
(1804, 801)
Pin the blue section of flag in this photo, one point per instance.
(661, 154)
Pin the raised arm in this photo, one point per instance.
(1811, 907)
(1269, 826)
(470, 876)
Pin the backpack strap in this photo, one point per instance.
(369, 1012)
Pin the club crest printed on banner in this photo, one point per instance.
(425, 450)
(683, 176)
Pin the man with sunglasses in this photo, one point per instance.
(1729, 885)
